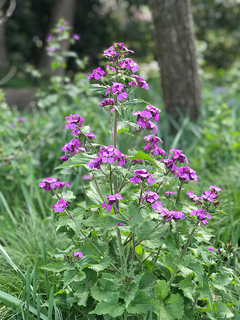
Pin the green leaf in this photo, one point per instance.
(102, 265)
(96, 88)
(142, 303)
(56, 266)
(204, 290)
(80, 159)
(66, 195)
(64, 299)
(110, 307)
(197, 268)
(223, 311)
(221, 281)
(174, 306)
(133, 154)
(187, 286)
(162, 289)
(148, 281)
(100, 293)
(135, 213)
(93, 196)
(71, 275)
(81, 293)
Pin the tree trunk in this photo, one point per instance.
(66, 10)
(3, 49)
(174, 38)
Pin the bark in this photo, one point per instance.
(174, 39)
(3, 49)
(65, 9)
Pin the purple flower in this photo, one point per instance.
(116, 51)
(117, 89)
(60, 205)
(51, 49)
(170, 215)
(96, 74)
(12, 125)
(143, 118)
(20, 119)
(49, 38)
(76, 36)
(110, 200)
(208, 196)
(137, 161)
(78, 255)
(90, 135)
(216, 189)
(107, 102)
(151, 198)
(119, 224)
(129, 64)
(52, 183)
(65, 157)
(186, 174)
(170, 164)
(177, 155)
(73, 121)
(139, 82)
(210, 249)
(141, 175)
(62, 27)
(201, 215)
(108, 67)
(192, 196)
(168, 194)
(86, 177)
(151, 145)
(71, 145)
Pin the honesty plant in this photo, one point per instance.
(137, 250)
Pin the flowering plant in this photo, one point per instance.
(136, 250)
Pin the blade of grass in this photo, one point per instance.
(4, 202)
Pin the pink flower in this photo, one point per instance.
(210, 249)
(76, 36)
(78, 255)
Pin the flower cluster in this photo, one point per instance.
(74, 146)
(143, 118)
(73, 121)
(116, 51)
(207, 198)
(185, 174)
(110, 200)
(142, 175)
(60, 205)
(139, 82)
(151, 145)
(174, 156)
(171, 215)
(151, 198)
(201, 215)
(96, 74)
(117, 89)
(108, 155)
(129, 64)
(51, 183)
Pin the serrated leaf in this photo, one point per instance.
(102, 265)
(142, 303)
(66, 195)
(198, 270)
(81, 294)
(104, 294)
(204, 290)
(162, 289)
(221, 281)
(79, 159)
(174, 306)
(56, 266)
(187, 286)
(93, 196)
(71, 275)
(223, 311)
(110, 307)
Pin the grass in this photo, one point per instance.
(27, 228)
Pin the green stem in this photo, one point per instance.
(124, 179)
(155, 260)
(148, 233)
(99, 191)
(182, 255)
(133, 250)
(178, 193)
(121, 251)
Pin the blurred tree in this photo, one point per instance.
(176, 55)
(61, 9)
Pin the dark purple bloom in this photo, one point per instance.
(73, 121)
(52, 183)
(141, 175)
(151, 198)
(151, 145)
(143, 118)
(137, 160)
(116, 51)
(138, 82)
(60, 205)
(107, 102)
(76, 36)
(71, 145)
(65, 157)
(171, 215)
(117, 89)
(110, 200)
(186, 174)
(170, 164)
(168, 194)
(78, 255)
(49, 38)
(96, 74)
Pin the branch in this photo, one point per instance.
(9, 11)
